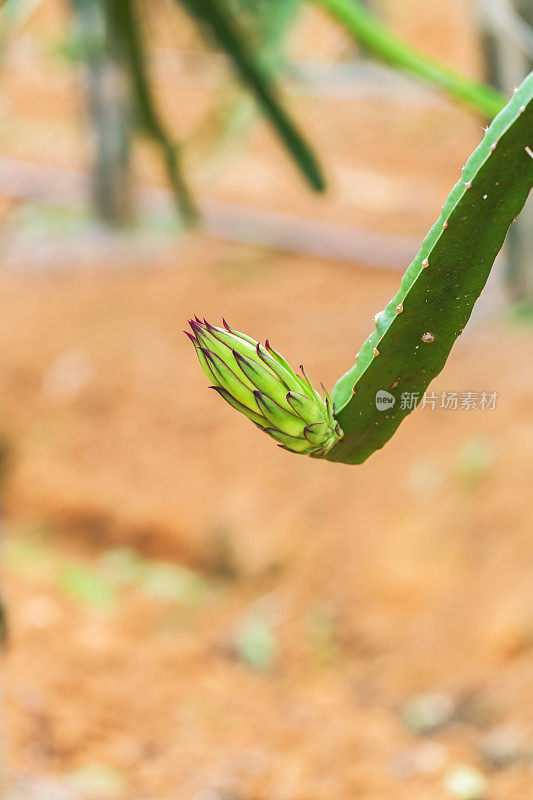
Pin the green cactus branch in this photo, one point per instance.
(369, 31)
(415, 332)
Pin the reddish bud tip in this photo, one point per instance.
(240, 358)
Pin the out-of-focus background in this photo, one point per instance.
(191, 612)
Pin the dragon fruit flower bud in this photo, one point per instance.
(257, 381)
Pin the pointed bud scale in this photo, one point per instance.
(301, 384)
(258, 382)
(277, 356)
(293, 443)
(209, 341)
(261, 378)
(203, 360)
(304, 407)
(315, 433)
(224, 377)
(227, 339)
(308, 386)
(256, 418)
(238, 334)
(278, 416)
(291, 381)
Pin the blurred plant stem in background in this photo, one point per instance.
(109, 114)
(110, 38)
(128, 28)
(520, 267)
(233, 113)
(228, 32)
(507, 38)
(369, 31)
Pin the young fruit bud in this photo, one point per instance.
(257, 381)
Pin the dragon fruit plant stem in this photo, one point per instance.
(413, 335)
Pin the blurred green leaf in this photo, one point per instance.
(86, 586)
(370, 32)
(269, 23)
(224, 29)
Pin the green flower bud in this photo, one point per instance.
(258, 382)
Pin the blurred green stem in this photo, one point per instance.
(233, 114)
(127, 26)
(377, 39)
(225, 30)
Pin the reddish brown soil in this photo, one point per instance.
(423, 571)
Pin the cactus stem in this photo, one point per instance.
(500, 169)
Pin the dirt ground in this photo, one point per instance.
(194, 614)
(321, 603)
